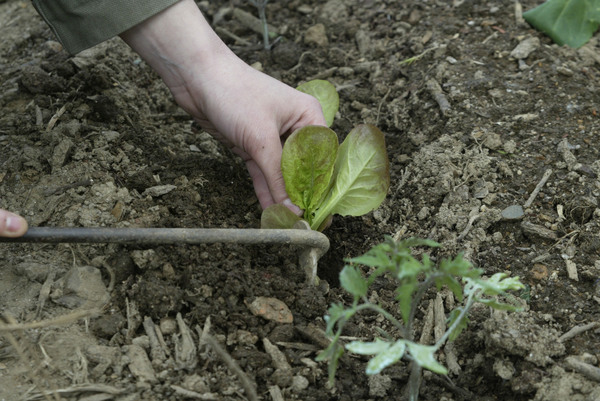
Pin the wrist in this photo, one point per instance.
(177, 43)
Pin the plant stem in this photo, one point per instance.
(463, 313)
(414, 381)
(416, 302)
(261, 5)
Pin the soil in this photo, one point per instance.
(476, 107)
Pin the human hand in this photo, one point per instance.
(245, 109)
(11, 225)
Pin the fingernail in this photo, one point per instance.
(288, 203)
(13, 224)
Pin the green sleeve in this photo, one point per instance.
(80, 24)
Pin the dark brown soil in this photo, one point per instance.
(471, 129)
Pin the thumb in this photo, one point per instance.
(11, 225)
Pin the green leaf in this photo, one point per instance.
(368, 348)
(326, 94)
(386, 358)
(570, 22)
(278, 216)
(352, 281)
(461, 325)
(361, 176)
(459, 267)
(307, 163)
(337, 313)
(424, 356)
(332, 354)
(404, 297)
(495, 285)
(452, 284)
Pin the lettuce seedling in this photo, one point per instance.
(570, 22)
(324, 178)
(326, 94)
(413, 277)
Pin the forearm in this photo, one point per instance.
(177, 43)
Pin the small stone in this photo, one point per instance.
(525, 48)
(159, 190)
(379, 385)
(564, 71)
(363, 42)
(282, 377)
(527, 117)
(106, 326)
(316, 35)
(270, 309)
(509, 146)
(513, 212)
(110, 136)
(305, 9)
(139, 364)
(34, 271)
(572, 270)
(299, 383)
(539, 272)
(82, 286)
(168, 326)
(480, 189)
(492, 141)
(61, 153)
(504, 369)
(53, 46)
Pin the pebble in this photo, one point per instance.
(305, 9)
(299, 383)
(168, 326)
(572, 270)
(270, 309)
(159, 190)
(316, 35)
(61, 153)
(510, 146)
(525, 48)
(513, 212)
(83, 286)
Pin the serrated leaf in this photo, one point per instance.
(386, 358)
(326, 94)
(498, 284)
(424, 355)
(570, 22)
(372, 259)
(452, 284)
(332, 354)
(459, 267)
(368, 348)
(404, 297)
(335, 313)
(352, 281)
